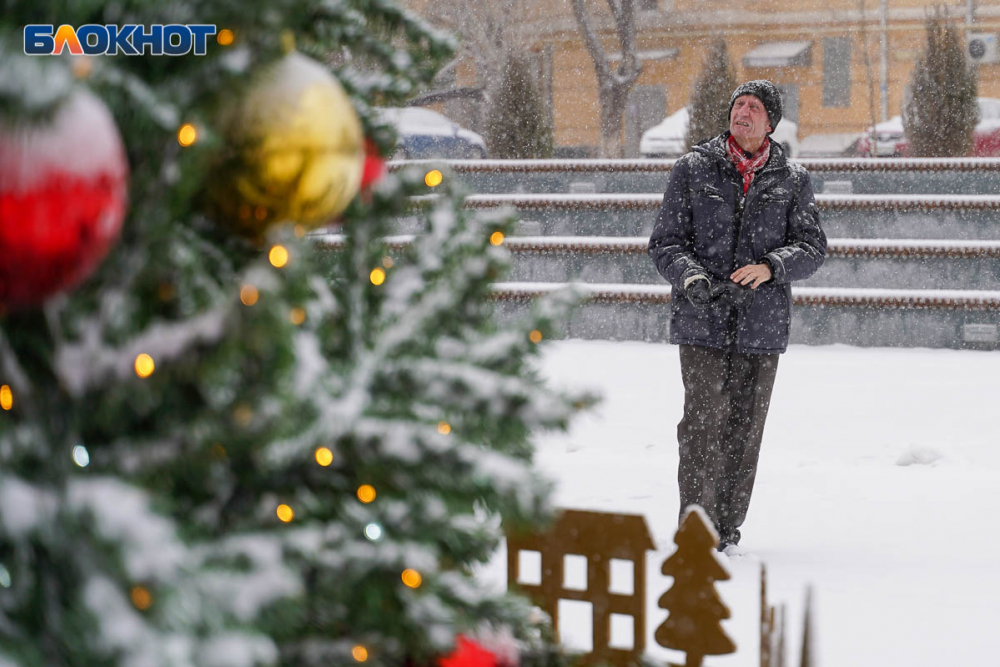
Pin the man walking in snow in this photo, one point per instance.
(738, 224)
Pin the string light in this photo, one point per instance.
(82, 67)
(444, 428)
(535, 336)
(285, 513)
(144, 365)
(225, 37)
(278, 256)
(248, 295)
(412, 578)
(324, 456)
(187, 135)
(242, 414)
(81, 456)
(6, 397)
(300, 230)
(377, 276)
(433, 178)
(141, 598)
(359, 653)
(373, 531)
(496, 238)
(165, 291)
(387, 262)
(366, 493)
(297, 316)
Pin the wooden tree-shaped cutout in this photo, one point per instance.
(694, 605)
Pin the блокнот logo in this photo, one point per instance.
(130, 39)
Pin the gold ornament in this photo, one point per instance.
(295, 146)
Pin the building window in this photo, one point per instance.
(837, 71)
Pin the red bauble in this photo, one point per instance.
(468, 653)
(374, 168)
(63, 188)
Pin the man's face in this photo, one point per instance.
(748, 121)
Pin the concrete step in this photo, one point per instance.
(907, 264)
(958, 217)
(821, 316)
(842, 176)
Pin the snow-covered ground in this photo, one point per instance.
(879, 485)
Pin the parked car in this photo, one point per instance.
(667, 138)
(424, 133)
(891, 141)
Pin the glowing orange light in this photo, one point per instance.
(187, 135)
(141, 598)
(248, 295)
(535, 336)
(6, 397)
(297, 316)
(300, 230)
(433, 178)
(366, 493)
(242, 414)
(444, 428)
(377, 276)
(225, 37)
(496, 238)
(324, 456)
(82, 67)
(278, 256)
(359, 653)
(144, 365)
(412, 578)
(285, 513)
(387, 262)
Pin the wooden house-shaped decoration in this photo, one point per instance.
(600, 538)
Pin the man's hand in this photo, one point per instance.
(698, 289)
(751, 274)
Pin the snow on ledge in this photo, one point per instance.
(652, 201)
(802, 296)
(866, 165)
(901, 248)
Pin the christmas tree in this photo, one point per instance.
(941, 113)
(225, 440)
(518, 126)
(709, 106)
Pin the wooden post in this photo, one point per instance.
(807, 652)
(765, 626)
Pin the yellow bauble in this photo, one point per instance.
(295, 150)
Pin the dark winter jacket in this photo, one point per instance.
(706, 225)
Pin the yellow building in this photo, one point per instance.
(826, 56)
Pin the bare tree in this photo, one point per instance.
(613, 85)
(486, 36)
(868, 74)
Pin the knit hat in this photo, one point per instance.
(767, 93)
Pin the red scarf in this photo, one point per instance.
(748, 166)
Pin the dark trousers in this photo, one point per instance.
(726, 397)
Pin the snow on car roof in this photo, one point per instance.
(416, 120)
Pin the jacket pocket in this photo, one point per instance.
(710, 192)
(765, 326)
